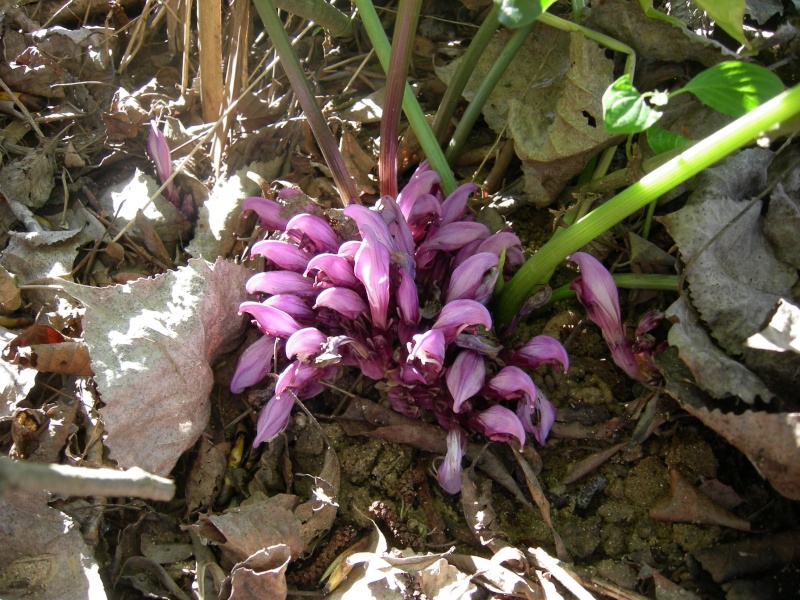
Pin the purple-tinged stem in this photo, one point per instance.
(404, 28)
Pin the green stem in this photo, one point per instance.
(404, 27)
(463, 72)
(305, 96)
(628, 281)
(688, 164)
(484, 91)
(411, 108)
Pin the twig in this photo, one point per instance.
(81, 481)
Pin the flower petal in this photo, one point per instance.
(305, 344)
(292, 306)
(456, 316)
(254, 364)
(500, 424)
(372, 269)
(504, 240)
(407, 299)
(542, 412)
(428, 349)
(283, 254)
(540, 350)
(270, 320)
(471, 280)
(334, 271)
(343, 300)
(268, 211)
(310, 230)
(453, 236)
(449, 471)
(366, 217)
(465, 377)
(424, 181)
(273, 418)
(424, 211)
(598, 294)
(513, 382)
(159, 152)
(454, 206)
(280, 282)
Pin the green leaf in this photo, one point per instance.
(519, 13)
(734, 87)
(660, 140)
(728, 14)
(625, 109)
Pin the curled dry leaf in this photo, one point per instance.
(10, 298)
(43, 348)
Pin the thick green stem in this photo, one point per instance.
(688, 164)
(305, 96)
(402, 42)
(463, 72)
(411, 108)
(484, 91)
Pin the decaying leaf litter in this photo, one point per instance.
(638, 493)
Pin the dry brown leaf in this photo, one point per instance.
(10, 298)
(43, 553)
(43, 348)
(770, 441)
(15, 382)
(242, 532)
(684, 504)
(262, 576)
(208, 470)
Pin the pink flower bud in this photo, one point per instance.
(343, 300)
(500, 424)
(465, 377)
(449, 471)
(283, 254)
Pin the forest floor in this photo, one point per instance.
(120, 325)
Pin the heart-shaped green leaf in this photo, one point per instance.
(734, 87)
(660, 140)
(625, 110)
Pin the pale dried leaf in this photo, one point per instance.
(152, 343)
(208, 470)
(29, 179)
(10, 298)
(262, 576)
(216, 222)
(783, 331)
(15, 382)
(656, 39)
(782, 224)
(713, 370)
(43, 553)
(735, 279)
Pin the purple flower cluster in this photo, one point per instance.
(406, 305)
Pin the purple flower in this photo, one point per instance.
(459, 315)
(504, 240)
(465, 377)
(597, 292)
(343, 300)
(273, 417)
(537, 417)
(283, 254)
(332, 271)
(538, 351)
(305, 344)
(254, 364)
(455, 205)
(500, 424)
(425, 210)
(292, 306)
(159, 152)
(313, 233)
(372, 269)
(427, 351)
(280, 282)
(268, 211)
(407, 299)
(474, 278)
(513, 382)
(449, 471)
(271, 320)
